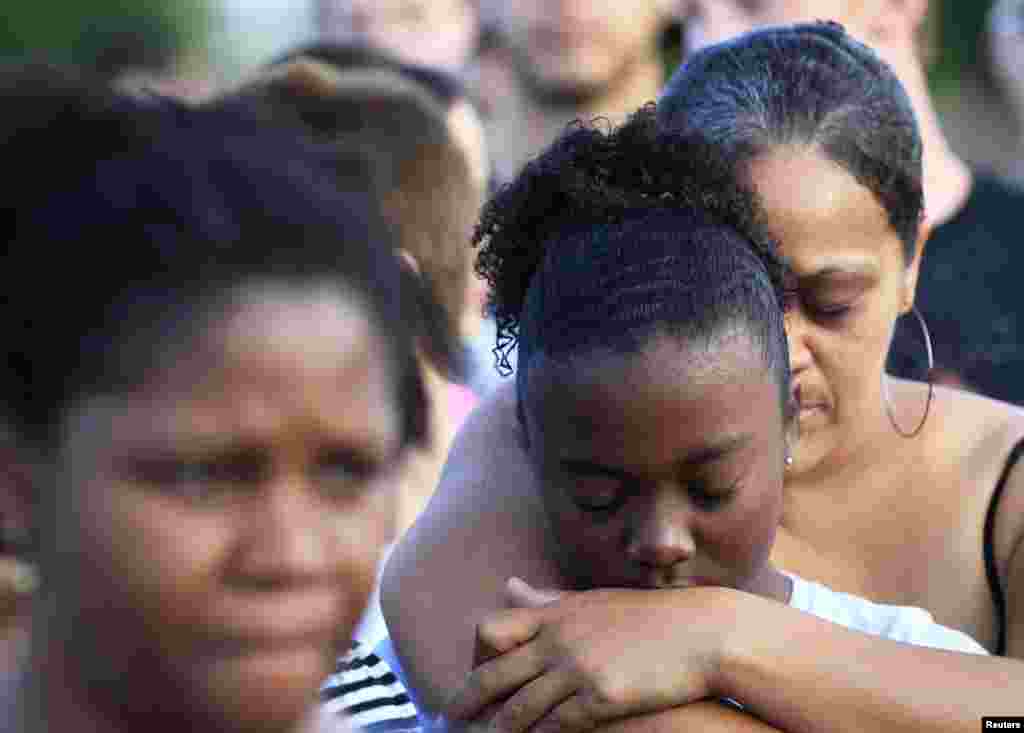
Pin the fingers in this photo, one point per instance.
(520, 594)
(483, 650)
(494, 680)
(537, 701)
(503, 631)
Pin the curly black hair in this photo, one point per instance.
(603, 202)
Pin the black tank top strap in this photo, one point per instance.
(998, 597)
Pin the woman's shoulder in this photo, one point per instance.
(961, 454)
(987, 436)
(982, 431)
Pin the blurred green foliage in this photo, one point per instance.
(106, 35)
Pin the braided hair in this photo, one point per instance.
(807, 84)
(614, 234)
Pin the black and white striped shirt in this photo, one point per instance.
(365, 691)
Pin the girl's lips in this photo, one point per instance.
(665, 584)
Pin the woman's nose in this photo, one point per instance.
(285, 540)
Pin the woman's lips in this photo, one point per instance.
(806, 405)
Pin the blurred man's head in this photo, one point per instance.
(879, 23)
(573, 50)
(440, 33)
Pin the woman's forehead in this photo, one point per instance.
(820, 214)
(268, 365)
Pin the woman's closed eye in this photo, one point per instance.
(818, 307)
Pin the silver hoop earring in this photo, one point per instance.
(887, 401)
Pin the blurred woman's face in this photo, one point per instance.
(851, 282)
(224, 522)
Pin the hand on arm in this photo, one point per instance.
(582, 662)
(572, 661)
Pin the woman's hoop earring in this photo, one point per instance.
(886, 400)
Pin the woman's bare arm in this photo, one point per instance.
(482, 525)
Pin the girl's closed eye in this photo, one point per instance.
(708, 497)
(599, 495)
(594, 489)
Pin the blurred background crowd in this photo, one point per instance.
(973, 49)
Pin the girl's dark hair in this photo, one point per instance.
(613, 235)
(809, 84)
(160, 212)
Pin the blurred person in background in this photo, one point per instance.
(1005, 36)
(430, 196)
(566, 59)
(543, 63)
(215, 426)
(466, 128)
(967, 290)
(437, 33)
